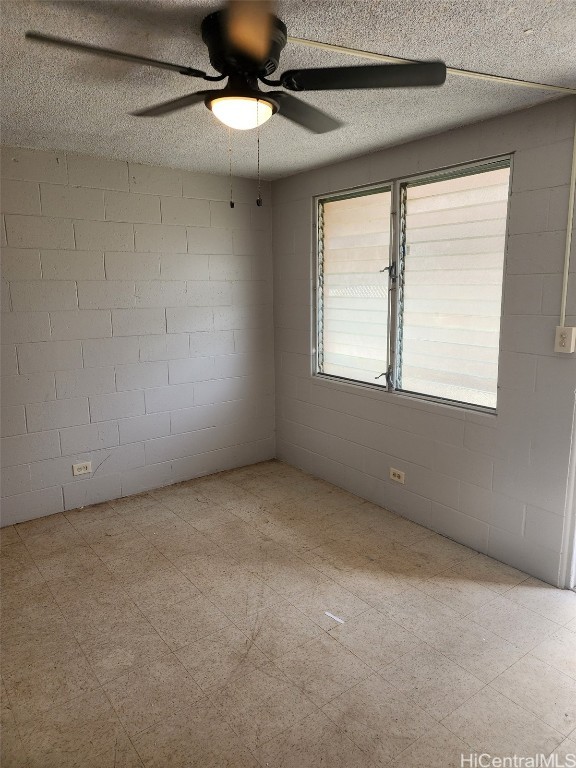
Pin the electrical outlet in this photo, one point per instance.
(565, 340)
(397, 475)
(82, 469)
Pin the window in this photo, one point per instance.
(418, 312)
(356, 245)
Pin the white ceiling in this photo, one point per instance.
(53, 98)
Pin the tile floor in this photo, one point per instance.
(188, 627)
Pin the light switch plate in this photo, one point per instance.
(565, 340)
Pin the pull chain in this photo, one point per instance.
(230, 164)
(259, 198)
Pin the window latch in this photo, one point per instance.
(388, 376)
(392, 274)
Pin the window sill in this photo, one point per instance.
(426, 403)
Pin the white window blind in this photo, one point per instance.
(453, 265)
(355, 247)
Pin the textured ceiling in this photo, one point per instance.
(52, 98)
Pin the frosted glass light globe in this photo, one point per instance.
(241, 112)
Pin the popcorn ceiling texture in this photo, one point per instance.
(53, 98)
(136, 329)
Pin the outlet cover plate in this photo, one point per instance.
(397, 475)
(82, 469)
(565, 339)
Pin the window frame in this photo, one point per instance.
(396, 273)
(372, 189)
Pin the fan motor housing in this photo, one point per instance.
(226, 60)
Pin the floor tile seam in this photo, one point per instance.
(547, 632)
(46, 555)
(543, 615)
(481, 583)
(61, 703)
(79, 526)
(19, 526)
(379, 612)
(127, 515)
(92, 545)
(325, 703)
(286, 595)
(461, 615)
(123, 728)
(176, 714)
(20, 538)
(498, 592)
(281, 597)
(533, 656)
(154, 546)
(356, 615)
(466, 698)
(343, 732)
(178, 648)
(454, 661)
(552, 668)
(460, 735)
(525, 709)
(69, 626)
(360, 597)
(231, 625)
(180, 516)
(377, 669)
(410, 698)
(11, 705)
(369, 673)
(144, 666)
(169, 562)
(274, 659)
(234, 679)
(43, 664)
(223, 714)
(185, 708)
(102, 637)
(231, 618)
(119, 586)
(426, 734)
(382, 604)
(101, 541)
(36, 569)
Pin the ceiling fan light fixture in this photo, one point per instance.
(242, 112)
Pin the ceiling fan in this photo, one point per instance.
(245, 40)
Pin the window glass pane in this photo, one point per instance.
(354, 292)
(454, 258)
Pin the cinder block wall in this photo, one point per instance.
(136, 329)
(497, 483)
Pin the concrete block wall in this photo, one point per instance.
(136, 328)
(498, 483)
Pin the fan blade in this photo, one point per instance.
(166, 107)
(249, 27)
(371, 76)
(111, 53)
(304, 114)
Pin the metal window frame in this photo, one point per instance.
(319, 203)
(398, 188)
(453, 172)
